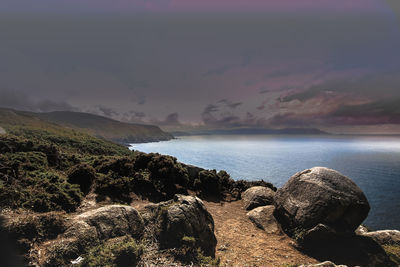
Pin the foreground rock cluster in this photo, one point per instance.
(319, 208)
(322, 210)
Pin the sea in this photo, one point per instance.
(372, 162)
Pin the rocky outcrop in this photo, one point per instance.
(320, 201)
(183, 217)
(257, 196)
(263, 218)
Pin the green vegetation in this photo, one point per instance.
(29, 227)
(115, 252)
(207, 260)
(189, 253)
(46, 171)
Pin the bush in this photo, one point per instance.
(165, 173)
(82, 175)
(119, 252)
(116, 187)
(208, 183)
(40, 191)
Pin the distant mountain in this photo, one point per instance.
(254, 131)
(97, 126)
(107, 128)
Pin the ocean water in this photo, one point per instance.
(373, 163)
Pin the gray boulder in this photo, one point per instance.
(263, 218)
(184, 216)
(323, 199)
(257, 196)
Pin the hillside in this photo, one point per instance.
(106, 128)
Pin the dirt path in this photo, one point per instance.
(241, 243)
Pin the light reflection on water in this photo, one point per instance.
(372, 162)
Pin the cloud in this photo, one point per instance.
(171, 120)
(229, 104)
(21, 101)
(133, 116)
(264, 90)
(108, 112)
(217, 71)
(376, 112)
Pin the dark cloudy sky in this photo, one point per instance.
(214, 63)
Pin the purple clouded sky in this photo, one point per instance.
(194, 5)
(305, 63)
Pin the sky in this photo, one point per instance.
(187, 64)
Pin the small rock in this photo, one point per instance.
(77, 260)
(385, 237)
(361, 230)
(257, 196)
(263, 218)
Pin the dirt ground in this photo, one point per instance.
(241, 243)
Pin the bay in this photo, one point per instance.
(372, 162)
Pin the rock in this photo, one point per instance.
(2, 131)
(323, 264)
(114, 220)
(263, 218)
(90, 229)
(322, 198)
(361, 230)
(385, 237)
(257, 196)
(351, 250)
(184, 216)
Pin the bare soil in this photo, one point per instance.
(241, 243)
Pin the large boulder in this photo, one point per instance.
(263, 218)
(181, 218)
(257, 196)
(318, 202)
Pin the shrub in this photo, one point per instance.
(116, 187)
(165, 172)
(82, 175)
(40, 191)
(115, 252)
(208, 183)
